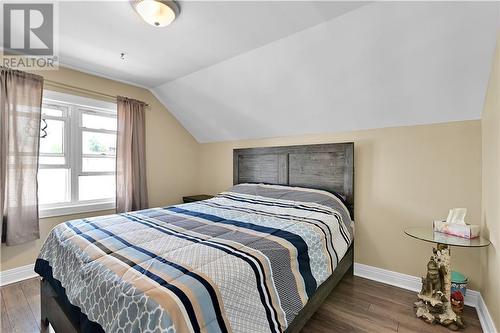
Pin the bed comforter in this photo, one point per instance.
(245, 261)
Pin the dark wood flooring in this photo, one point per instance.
(356, 305)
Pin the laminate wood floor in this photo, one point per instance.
(356, 305)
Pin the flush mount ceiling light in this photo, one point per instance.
(158, 13)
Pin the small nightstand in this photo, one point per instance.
(193, 198)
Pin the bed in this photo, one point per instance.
(259, 257)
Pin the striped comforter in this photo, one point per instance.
(244, 261)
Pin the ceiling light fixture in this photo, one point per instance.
(158, 13)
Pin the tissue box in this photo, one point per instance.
(460, 230)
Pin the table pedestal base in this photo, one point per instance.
(434, 304)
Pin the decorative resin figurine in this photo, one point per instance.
(432, 284)
(434, 304)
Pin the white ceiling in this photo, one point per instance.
(94, 33)
(383, 64)
(235, 70)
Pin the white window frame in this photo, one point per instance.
(76, 106)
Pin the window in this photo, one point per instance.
(77, 155)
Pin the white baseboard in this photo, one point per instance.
(409, 282)
(17, 274)
(405, 281)
(484, 316)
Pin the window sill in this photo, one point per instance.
(75, 209)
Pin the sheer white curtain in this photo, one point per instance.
(131, 186)
(20, 113)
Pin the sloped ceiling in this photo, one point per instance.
(231, 70)
(382, 64)
(93, 34)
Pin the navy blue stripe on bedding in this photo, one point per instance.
(270, 202)
(194, 239)
(246, 210)
(284, 205)
(235, 252)
(270, 191)
(295, 240)
(274, 203)
(178, 292)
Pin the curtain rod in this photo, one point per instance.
(56, 84)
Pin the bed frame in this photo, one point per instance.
(324, 166)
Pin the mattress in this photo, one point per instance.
(246, 260)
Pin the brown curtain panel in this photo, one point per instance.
(131, 186)
(20, 113)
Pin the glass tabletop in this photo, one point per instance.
(429, 235)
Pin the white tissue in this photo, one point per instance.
(457, 216)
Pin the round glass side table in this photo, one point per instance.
(434, 300)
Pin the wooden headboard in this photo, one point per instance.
(327, 167)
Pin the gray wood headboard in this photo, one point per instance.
(327, 167)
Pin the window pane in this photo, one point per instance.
(96, 187)
(53, 110)
(53, 142)
(98, 122)
(103, 164)
(98, 143)
(53, 186)
(51, 160)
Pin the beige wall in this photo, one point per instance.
(490, 263)
(171, 153)
(404, 176)
(25, 254)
